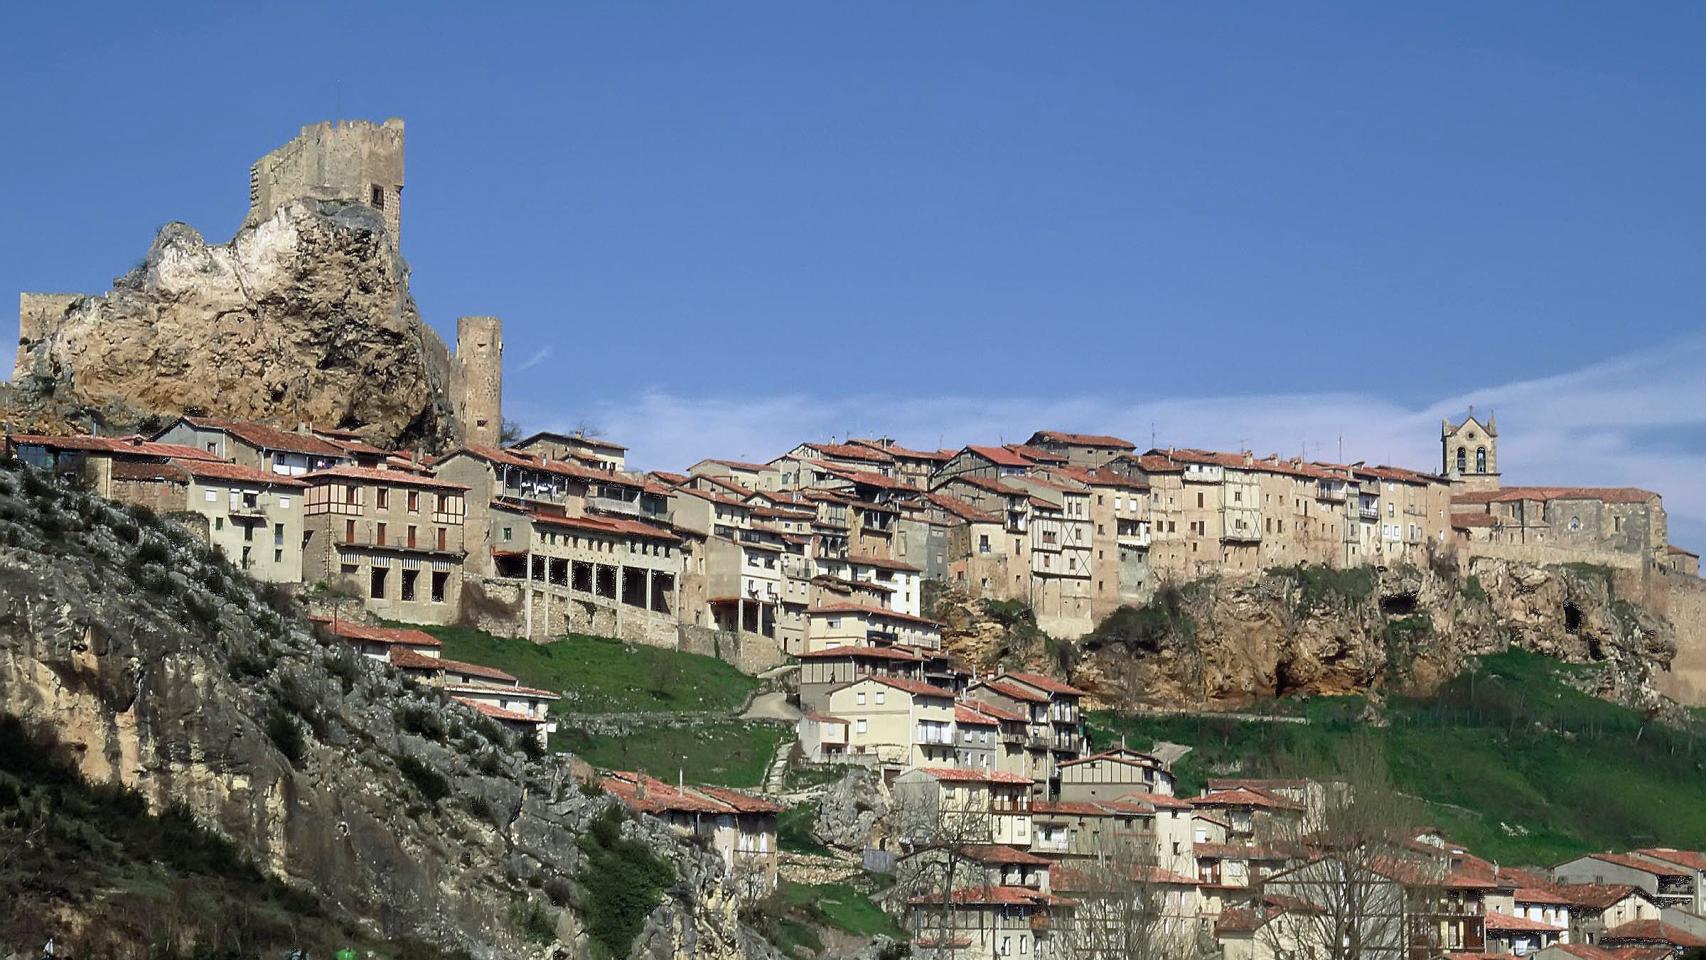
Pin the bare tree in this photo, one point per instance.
(1351, 897)
(939, 837)
(1127, 907)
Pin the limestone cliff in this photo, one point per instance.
(304, 317)
(1224, 642)
(153, 665)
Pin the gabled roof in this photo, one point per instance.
(1602, 494)
(1640, 864)
(1000, 853)
(1692, 859)
(958, 775)
(370, 475)
(1121, 755)
(915, 687)
(859, 609)
(1081, 439)
(263, 437)
(573, 439)
(1515, 924)
(1117, 878)
(132, 445)
(849, 451)
(1598, 896)
(1243, 797)
(1000, 456)
(389, 635)
(1012, 691)
(498, 713)
(1654, 931)
(862, 653)
(230, 472)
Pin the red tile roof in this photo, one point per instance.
(957, 775)
(1082, 439)
(859, 609)
(1466, 520)
(905, 453)
(1081, 880)
(389, 635)
(1243, 797)
(1130, 757)
(613, 526)
(479, 670)
(263, 437)
(1656, 931)
(403, 658)
(1692, 859)
(862, 653)
(1000, 456)
(1158, 801)
(371, 475)
(1602, 494)
(993, 896)
(651, 795)
(1597, 896)
(119, 446)
(1000, 853)
(1035, 454)
(881, 563)
(961, 509)
(1505, 921)
(220, 470)
(971, 717)
(498, 713)
(918, 687)
(867, 478)
(1641, 864)
(848, 451)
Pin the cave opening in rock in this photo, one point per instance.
(1398, 604)
(1572, 617)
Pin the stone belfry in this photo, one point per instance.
(355, 161)
(1469, 452)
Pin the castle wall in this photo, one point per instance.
(477, 384)
(39, 315)
(355, 161)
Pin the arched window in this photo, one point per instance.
(1462, 460)
(1480, 459)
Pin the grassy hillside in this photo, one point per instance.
(732, 753)
(1511, 760)
(601, 675)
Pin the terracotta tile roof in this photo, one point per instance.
(1583, 951)
(862, 653)
(848, 451)
(905, 453)
(475, 687)
(350, 443)
(1000, 456)
(371, 475)
(405, 659)
(132, 445)
(1642, 864)
(572, 439)
(739, 465)
(1243, 797)
(916, 687)
(1602, 494)
(1035, 454)
(616, 526)
(263, 437)
(1081, 439)
(1236, 851)
(739, 801)
(1467, 520)
(666, 478)
(1012, 692)
(881, 563)
(1692, 859)
(1076, 879)
(1652, 931)
(1067, 808)
(498, 713)
(999, 713)
(1158, 463)
(1000, 853)
(1264, 784)
(1677, 551)
(1507, 922)
(1158, 801)
(961, 509)
(972, 717)
(651, 795)
(1596, 896)
(390, 635)
(220, 470)
(1099, 477)
(859, 609)
(826, 718)
(867, 478)
(522, 459)
(958, 775)
(477, 670)
(1130, 757)
(1041, 682)
(1399, 474)
(984, 483)
(993, 896)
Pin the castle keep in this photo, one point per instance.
(355, 161)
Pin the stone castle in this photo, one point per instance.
(343, 163)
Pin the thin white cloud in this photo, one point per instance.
(1594, 425)
(543, 355)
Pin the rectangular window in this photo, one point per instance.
(411, 535)
(349, 531)
(379, 534)
(376, 583)
(508, 535)
(409, 577)
(382, 498)
(414, 501)
(211, 496)
(442, 540)
(882, 696)
(440, 581)
(862, 726)
(284, 503)
(278, 534)
(248, 531)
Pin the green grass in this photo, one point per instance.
(794, 831)
(1511, 760)
(731, 753)
(601, 675)
(796, 915)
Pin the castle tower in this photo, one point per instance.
(355, 161)
(1469, 452)
(478, 388)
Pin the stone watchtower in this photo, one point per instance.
(1469, 452)
(354, 160)
(477, 388)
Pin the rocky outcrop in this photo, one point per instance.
(153, 665)
(1223, 642)
(305, 317)
(850, 811)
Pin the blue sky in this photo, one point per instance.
(712, 228)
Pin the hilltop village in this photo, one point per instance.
(1011, 835)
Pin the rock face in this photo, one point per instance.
(304, 317)
(850, 810)
(1231, 642)
(157, 667)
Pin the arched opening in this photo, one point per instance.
(1462, 460)
(1481, 460)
